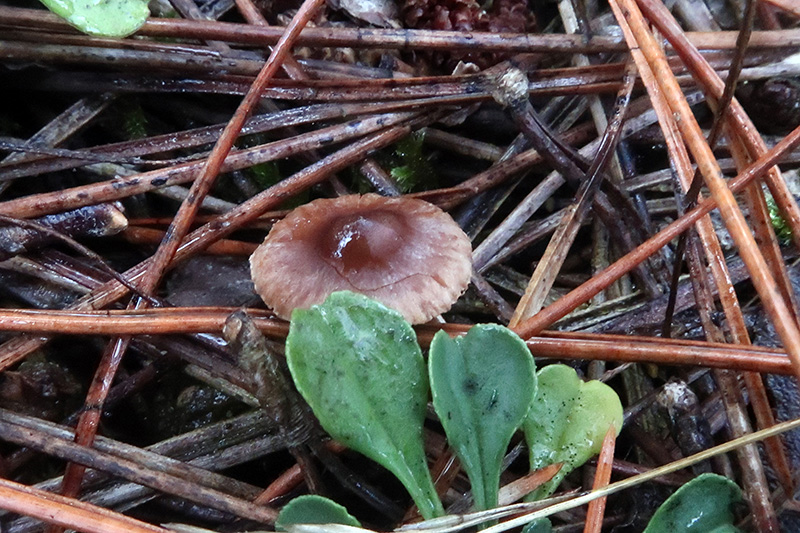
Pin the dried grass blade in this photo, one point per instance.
(61, 127)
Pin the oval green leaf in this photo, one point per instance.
(483, 384)
(568, 421)
(107, 18)
(313, 509)
(358, 365)
(702, 505)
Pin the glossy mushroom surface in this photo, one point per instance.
(405, 253)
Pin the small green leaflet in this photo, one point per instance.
(107, 18)
(483, 384)
(542, 525)
(358, 365)
(702, 505)
(313, 509)
(568, 421)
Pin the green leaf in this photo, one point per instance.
(568, 421)
(702, 505)
(108, 18)
(541, 525)
(483, 384)
(358, 365)
(313, 509)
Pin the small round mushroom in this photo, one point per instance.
(408, 254)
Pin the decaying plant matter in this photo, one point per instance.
(626, 174)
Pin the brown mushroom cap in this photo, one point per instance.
(407, 254)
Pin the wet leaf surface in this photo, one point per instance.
(358, 365)
(704, 505)
(313, 509)
(107, 18)
(568, 421)
(482, 384)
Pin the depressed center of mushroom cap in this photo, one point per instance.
(363, 244)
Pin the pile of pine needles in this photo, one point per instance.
(626, 214)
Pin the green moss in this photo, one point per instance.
(265, 175)
(134, 121)
(779, 224)
(410, 165)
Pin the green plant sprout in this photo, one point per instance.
(703, 505)
(359, 366)
(567, 422)
(483, 385)
(106, 18)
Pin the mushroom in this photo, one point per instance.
(408, 254)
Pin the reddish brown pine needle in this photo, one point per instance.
(602, 476)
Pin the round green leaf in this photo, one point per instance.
(483, 384)
(107, 18)
(358, 365)
(313, 509)
(568, 421)
(702, 505)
